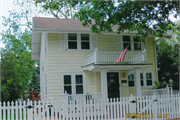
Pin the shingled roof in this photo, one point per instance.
(58, 24)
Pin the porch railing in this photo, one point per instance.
(110, 56)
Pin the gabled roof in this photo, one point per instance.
(40, 23)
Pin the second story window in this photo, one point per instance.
(137, 43)
(85, 41)
(72, 41)
(77, 41)
(126, 41)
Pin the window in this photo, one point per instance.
(85, 41)
(148, 79)
(72, 40)
(73, 83)
(79, 84)
(134, 42)
(67, 84)
(137, 43)
(126, 41)
(131, 79)
(78, 41)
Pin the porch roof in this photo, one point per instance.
(111, 67)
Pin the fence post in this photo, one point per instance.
(132, 104)
(171, 90)
(154, 109)
(96, 56)
(168, 90)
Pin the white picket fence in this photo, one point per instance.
(149, 107)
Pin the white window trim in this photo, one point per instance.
(79, 43)
(144, 79)
(73, 85)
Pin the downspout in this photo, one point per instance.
(156, 58)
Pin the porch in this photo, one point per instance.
(103, 57)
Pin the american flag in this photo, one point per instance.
(122, 56)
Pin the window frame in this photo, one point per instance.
(136, 42)
(144, 79)
(73, 83)
(131, 80)
(85, 41)
(149, 79)
(79, 42)
(126, 42)
(132, 43)
(73, 41)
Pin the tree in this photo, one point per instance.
(35, 81)
(18, 48)
(145, 17)
(12, 86)
(59, 8)
(168, 61)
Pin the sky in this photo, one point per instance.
(6, 5)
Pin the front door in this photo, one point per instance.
(113, 84)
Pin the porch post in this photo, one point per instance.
(104, 84)
(137, 82)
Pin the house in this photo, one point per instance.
(76, 61)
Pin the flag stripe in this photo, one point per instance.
(122, 55)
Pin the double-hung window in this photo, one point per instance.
(134, 42)
(131, 79)
(146, 79)
(67, 84)
(137, 43)
(126, 41)
(72, 40)
(79, 84)
(73, 83)
(85, 41)
(78, 41)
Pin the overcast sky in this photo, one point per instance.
(6, 5)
